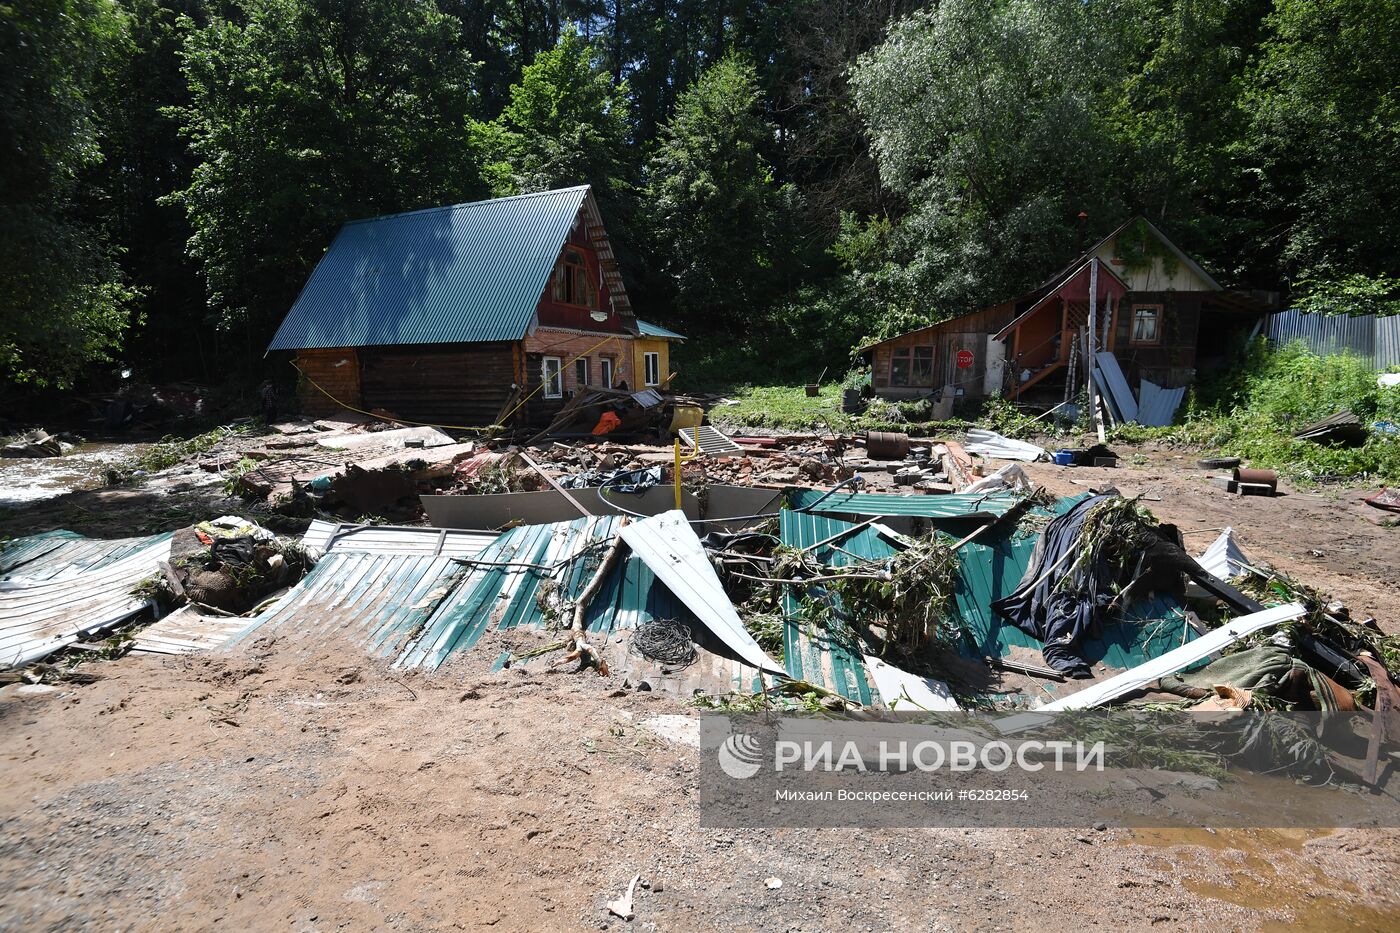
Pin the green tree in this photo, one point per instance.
(716, 209)
(62, 298)
(987, 118)
(566, 124)
(1325, 139)
(304, 114)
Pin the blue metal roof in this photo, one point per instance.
(464, 273)
(648, 329)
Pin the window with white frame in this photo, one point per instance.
(581, 372)
(652, 362)
(1147, 326)
(552, 376)
(605, 372)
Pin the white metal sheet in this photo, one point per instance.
(669, 546)
(1149, 671)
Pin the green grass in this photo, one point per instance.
(1255, 409)
(783, 407)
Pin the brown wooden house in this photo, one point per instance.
(1162, 315)
(441, 315)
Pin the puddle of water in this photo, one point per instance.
(32, 480)
(1263, 881)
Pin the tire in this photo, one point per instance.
(1218, 463)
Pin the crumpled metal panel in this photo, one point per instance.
(380, 601)
(186, 630)
(463, 273)
(52, 597)
(63, 554)
(503, 597)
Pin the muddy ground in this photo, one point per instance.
(279, 786)
(274, 788)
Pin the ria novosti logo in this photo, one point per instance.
(740, 756)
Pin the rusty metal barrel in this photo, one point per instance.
(886, 445)
(1257, 478)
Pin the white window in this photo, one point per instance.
(581, 372)
(1147, 326)
(552, 375)
(605, 366)
(653, 367)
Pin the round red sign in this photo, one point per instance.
(964, 359)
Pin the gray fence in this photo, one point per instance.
(1372, 338)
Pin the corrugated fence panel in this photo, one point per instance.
(1374, 339)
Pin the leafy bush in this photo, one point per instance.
(1253, 411)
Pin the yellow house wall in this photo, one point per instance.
(644, 345)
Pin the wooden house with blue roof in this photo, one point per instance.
(441, 315)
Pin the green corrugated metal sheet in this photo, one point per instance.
(956, 506)
(989, 568)
(829, 657)
(648, 329)
(65, 553)
(469, 272)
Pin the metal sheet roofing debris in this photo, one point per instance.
(827, 655)
(420, 610)
(900, 689)
(1160, 666)
(669, 546)
(187, 630)
(992, 444)
(957, 505)
(468, 272)
(379, 601)
(709, 441)
(552, 561)
(420, 437)
(1224, 559)
(1117, 385)
(327, 536)
(48, 601)
(62, 554)
(1157, 406)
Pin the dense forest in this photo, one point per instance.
(793, 174)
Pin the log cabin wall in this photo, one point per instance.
(337, 371)
(458, 385)
(1171, 362)
(942, 341)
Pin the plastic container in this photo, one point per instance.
(1063, 457)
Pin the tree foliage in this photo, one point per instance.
(565, 124)
(63, 300)
(304, 114)
(800, 172)
(717, 210)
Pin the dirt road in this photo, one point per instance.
(272, 790)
